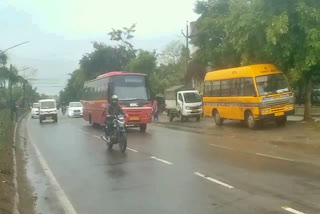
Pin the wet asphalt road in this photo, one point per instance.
(168, 171)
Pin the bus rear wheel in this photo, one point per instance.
(143, 128)
(217, 118)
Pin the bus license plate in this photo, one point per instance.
(279, 114)
(134, 118)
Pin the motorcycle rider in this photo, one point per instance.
(113, 110)
(63, 108)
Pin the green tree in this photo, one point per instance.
(241, 32)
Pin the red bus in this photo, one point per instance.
(134, 98)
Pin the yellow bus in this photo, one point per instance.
(250, 94)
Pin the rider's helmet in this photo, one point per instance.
(114, 100)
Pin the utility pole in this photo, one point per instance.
(187, 36)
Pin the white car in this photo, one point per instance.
(75, 109)
(35, 110)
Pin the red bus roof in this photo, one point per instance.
(119, 73)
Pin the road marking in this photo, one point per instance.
(275, 157)
(292, 210)
(221, 147)
(96, 136)
(133, 150)
(161, 160)
(214, 180)
(64, 201)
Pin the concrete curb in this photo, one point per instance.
(15, 209)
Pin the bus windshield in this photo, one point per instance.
(130, 88)
(191, 97)
(272, 84)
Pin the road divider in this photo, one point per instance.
(161, 160)
(213, 180)
(292, 210)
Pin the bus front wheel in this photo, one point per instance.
(251, 122)
(217, 118)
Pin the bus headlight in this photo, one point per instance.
(289, 107)
(265, 111)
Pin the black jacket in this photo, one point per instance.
(115, 110)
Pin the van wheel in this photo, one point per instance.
(171, 118)
(251, 122)
(217, 118)
(198, 118)
(181, 117)
(56, 119)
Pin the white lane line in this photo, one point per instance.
(292, 210)
(214, 180)
(96, 136)
(221, 147)
(133, 150)
(62, 197)
(161, 160)
(275, 157)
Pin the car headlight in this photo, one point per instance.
(188, 107)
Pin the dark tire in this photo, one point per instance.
(181, 117)
(109, 146)
(171, 118)
(143, 128)
(281, 121)
(198, 118)
(90, 120)
(40, 120)
(251, 122)
(56, 119)
(217, 118)
(123, 143)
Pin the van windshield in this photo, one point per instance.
(192, 97)
(272, 84)
(48, 105)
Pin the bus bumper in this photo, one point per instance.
(138, 118)
(273, 117)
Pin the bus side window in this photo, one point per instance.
(207, 89)
(249, 89)
(215, 89)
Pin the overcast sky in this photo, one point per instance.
(61, 31)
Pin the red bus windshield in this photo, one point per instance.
(129, 88)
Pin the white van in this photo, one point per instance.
(48, 110)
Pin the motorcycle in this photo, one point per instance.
(63, 109)
(118, 133)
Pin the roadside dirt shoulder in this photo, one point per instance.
(6, 175)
